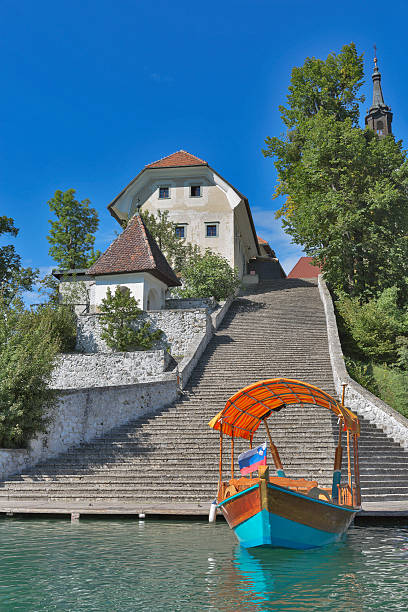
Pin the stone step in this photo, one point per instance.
(277, 330)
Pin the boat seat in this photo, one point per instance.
(295, 484)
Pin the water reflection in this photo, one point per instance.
(367, 571)
(156, 566)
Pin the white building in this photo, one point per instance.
(133, 260)
(205, 208)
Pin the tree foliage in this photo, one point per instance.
(176, 250)
(208, 275)
(346, 188)
(122, 329)
(375, 331)
(331, 85)
(72, 233)
(28, 347)
(13, 277)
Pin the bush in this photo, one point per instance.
(62, 323)
(370, 331)
(120, 312)
(392, 387)
(362, 373)
(208, 275)
(28, 348)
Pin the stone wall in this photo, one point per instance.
(361, 401)
(76, 371)
(191, 303)
(181, 329)
(84, 414)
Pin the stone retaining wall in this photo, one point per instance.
(181, 328)
(84, 414)
(191, 303)
(77, 371)
(361, 401)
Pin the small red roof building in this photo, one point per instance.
(135, 250)
(305, 269)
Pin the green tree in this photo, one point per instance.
(346, 188)
(208, 275)
(374, 331)
(176, 250)
(122, 329)
(72, 233)
(28, 348)
(331, 85)
(13, 277)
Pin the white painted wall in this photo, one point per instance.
(145, 288)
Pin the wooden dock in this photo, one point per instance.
(375, 510)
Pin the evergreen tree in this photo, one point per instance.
(121, 326)
(72, 233)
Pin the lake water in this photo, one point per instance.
(154, 565)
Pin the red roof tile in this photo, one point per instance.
(135, 250)
(305, 269)
(180, 158)
(261, 240)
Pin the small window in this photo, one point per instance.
(195, 191)
(164, 193)
(212, 230)
(180, 231)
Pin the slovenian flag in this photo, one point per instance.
(252, 459)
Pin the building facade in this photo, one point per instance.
(207, 210)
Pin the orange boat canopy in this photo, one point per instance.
(245, 410)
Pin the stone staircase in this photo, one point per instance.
(172, 457)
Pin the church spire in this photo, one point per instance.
(379, 116)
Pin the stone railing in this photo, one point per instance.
(359, 399)
(78, 371)
(191, 303)
(84, 414)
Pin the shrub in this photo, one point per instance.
(62, 324)
(208, 275)
(120, 313)
(392, 387)
(371, 330)
(28, 347)
(362, 373)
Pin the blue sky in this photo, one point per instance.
(94, 90)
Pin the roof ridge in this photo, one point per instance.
(175, 153)
(147, 236)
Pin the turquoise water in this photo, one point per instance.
(153, 565)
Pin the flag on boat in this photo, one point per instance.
(252, 459)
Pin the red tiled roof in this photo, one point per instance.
(135, 250)
(305, 269)
(180, 158)
(261, 240)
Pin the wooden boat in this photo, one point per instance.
(276, 510)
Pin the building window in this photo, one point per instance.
(164, 193)
(211, 230)
(195, 191)
(180, 231)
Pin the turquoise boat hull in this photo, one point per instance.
(269, 515)
(268, 529)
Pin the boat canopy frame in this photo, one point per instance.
(249, 407)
